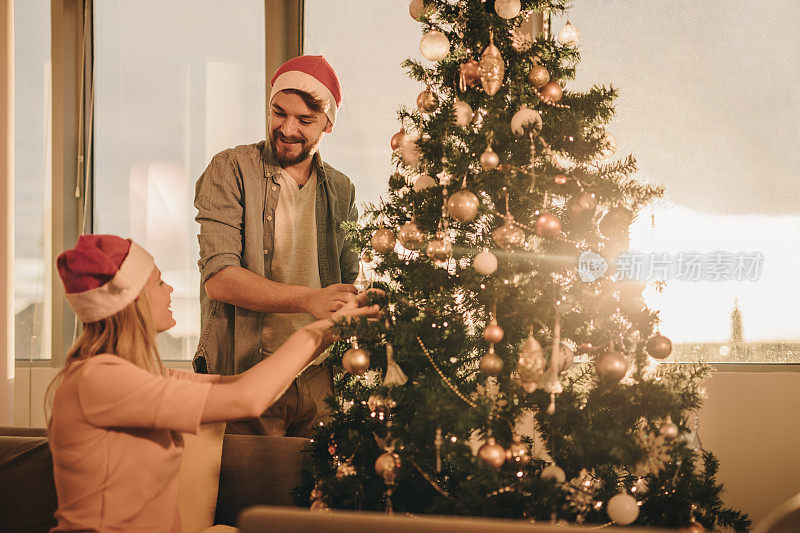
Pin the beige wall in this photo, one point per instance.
(749, 423)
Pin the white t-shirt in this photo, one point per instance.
(294, 260)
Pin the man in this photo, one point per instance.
(272, 253)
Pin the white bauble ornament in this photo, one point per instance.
(434, 45)
(463, 205)
(524, 117)
(568, 36)
(424, 182)
(623, 509)
(507, 9)
(464, 113)
(485, 263)
(554, 473)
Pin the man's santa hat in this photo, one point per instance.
(103, 274)
(313, 75)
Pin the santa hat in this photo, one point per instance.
(103, 274)
(313, 75)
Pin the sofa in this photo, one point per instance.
(247, 470)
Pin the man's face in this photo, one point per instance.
(295, 130)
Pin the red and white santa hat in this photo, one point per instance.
(103, 274)
(313, 75)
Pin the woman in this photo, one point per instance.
(117, 413)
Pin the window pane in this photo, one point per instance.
(708, 105)
(176, 82)
(32, 178)
(367, 57)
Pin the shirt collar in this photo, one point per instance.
(272, 168)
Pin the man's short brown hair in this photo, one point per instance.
(314, 104)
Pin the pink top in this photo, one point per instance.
(116, 450)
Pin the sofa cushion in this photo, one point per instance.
(27, 492)
(199, 473)
(258, 470)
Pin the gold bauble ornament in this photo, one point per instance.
(387, 464)
(366, 256)
(492, 453)
(547, 226)
(568, 36)
(489, 158)
(526, 117)
(424, 181)
(463, 112)
(463, 205)
(493, 333)
(553, 473)
(356, 361)
(410, 236)
(427, 101)
(469, 74)
(659, 346)
(485, 263)
(434, 45)
(693, 527)
(531, 363)
(319, 505)
(581, 207)
(491, 364)
(611, 366)
(397, 139)
(493, 69)
(409, 151)
(538, 76)
(417, 8)
(439, 249)
(383, 240)
(509, 235)
(551, 92)
(518, 454)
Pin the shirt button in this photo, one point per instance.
(274, 188)
(266, 251)
(269, 217)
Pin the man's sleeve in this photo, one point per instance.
(218, 199)
(349, 258)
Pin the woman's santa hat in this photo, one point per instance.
(313, 75)
(103, 274)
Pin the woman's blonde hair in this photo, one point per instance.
(128, 334)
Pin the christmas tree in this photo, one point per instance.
(513, 374)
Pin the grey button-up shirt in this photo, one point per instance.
(235, 199)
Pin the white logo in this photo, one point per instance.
(591, 266)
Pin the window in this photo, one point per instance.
(708, 106)
(367, 57)
(176, 82)
(32, 178)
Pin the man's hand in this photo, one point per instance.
(324, 302)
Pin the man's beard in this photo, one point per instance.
(305, 152)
